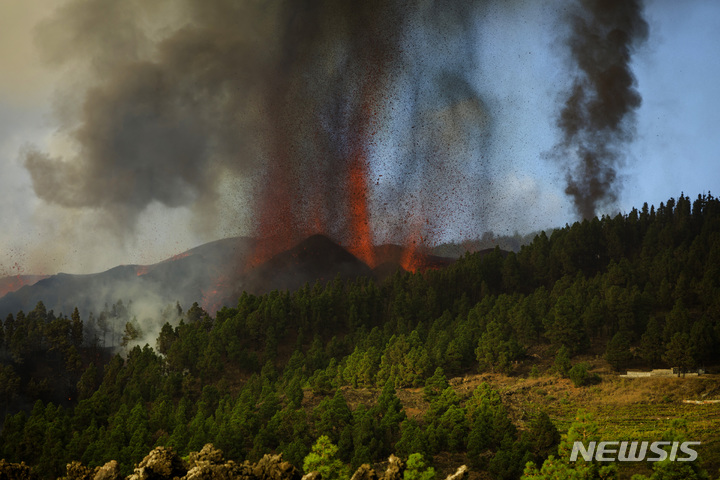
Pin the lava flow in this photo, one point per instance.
(360, 235)
(16, 280)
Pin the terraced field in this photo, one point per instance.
(625, 409)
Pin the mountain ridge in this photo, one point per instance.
(213, 274)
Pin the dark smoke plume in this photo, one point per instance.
(597, 118)
(167, 102)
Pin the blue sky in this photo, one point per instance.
(678, 71)
(520, 73)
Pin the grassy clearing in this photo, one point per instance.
(625, 409)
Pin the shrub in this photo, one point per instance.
(581, 377)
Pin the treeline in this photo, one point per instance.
(43, 355)
(642, 287)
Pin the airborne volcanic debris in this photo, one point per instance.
(171, 99)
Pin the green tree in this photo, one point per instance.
(9, 328)
(294, 391)
(366, 438)
(674, 470)
(417, 469)
(57, 333)
(679, 352)
(334, 416)
(389, 414)
(181, 433)
(88, 382)
(669, 470)
(405, 360)
(132, 332)
(497, 347)
(618, 353)
(166, 338)
(435, 385)
(138, 432)
(508, 461)
(9, 384)
(451, 430)
(412, 439)
(488, 420)
(702, 336)
(564, 325)
(76, 330)
(544, 436)
(584, 429)
(160, 420)
(323, 459)
(651, 343)
(580, 375)
(562, 361)
(73, 362)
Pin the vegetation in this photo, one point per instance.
(273, 373)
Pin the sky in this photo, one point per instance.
(518, 65)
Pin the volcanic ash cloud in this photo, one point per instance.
(165, 101)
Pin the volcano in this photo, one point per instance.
(316, 258)
(213, 274)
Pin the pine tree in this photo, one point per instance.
(584, 429)
(412, 439)
(323, 459)
(166, 338)
(497, 347)
(488, 420)
(9, 384)
(651, 343)
(435, 385)
(366, 439)
(679, 352)
(334, 416)
(417, 469)
(544, 436)
(562, 361)
(564, 326)
(132, 332)
(76, 332)
(617, 353)
(511, 456)
(88, 382)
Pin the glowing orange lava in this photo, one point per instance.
(416, 254)
(179, 256)
(412, 260)
(11, 284)
(15, 279)
(360, 241)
